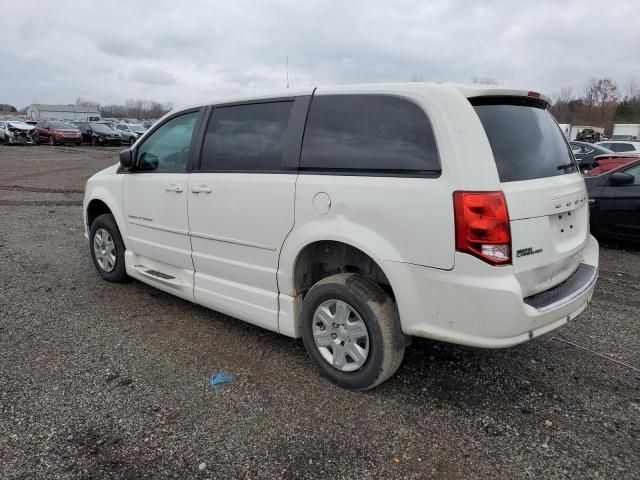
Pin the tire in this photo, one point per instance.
(93, 141)
(78, 144)
(366, 302)
(106, 224)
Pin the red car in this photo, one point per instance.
(55, 132)
(604, 163)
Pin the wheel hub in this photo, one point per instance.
(340, 335)
(104, 249)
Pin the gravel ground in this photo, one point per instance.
(99, 380)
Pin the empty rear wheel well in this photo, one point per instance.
(95, 209)
(325, 258)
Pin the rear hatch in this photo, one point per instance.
(546, 195)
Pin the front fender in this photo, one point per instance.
(108, 191)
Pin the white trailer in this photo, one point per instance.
(566, 129)
(622, 131)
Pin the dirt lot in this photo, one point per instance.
(99, 380)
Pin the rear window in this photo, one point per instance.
(526, 141)
(368, 134)
(619, 147)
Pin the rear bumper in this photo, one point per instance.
(482, 306)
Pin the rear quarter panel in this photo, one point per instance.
(391, 218)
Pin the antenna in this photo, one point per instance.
(287, 71)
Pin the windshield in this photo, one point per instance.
(61, 125)
(101, 128)
(525, 139)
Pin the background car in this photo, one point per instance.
(614, 202)
(585, 153)
(604, 163)
(16, 132)
(130, 132)
(55, 132)
(620, 146)
(99, 134)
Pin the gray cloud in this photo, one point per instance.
(186, 52)
(152, 76)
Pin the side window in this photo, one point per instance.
(588, 150)
(576, 149)
(246, 137)
(167, 149)
(368, 133)
(635, 171)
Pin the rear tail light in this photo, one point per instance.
(482, 226)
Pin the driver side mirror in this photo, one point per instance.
(621, 178)
(126, 159)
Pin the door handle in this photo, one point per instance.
(174, 188)
(201, 189)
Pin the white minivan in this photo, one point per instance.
(357, 217)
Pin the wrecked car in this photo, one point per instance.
(14, 132)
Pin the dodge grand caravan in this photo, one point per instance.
(356, 217)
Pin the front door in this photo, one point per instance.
(241, 207)
(620, 206)
(155, 205)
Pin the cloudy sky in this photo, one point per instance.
(182, 52)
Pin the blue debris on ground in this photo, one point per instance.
(218, 378)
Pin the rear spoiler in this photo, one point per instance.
(613, 156)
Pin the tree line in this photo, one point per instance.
(141, 109)
(601, 103)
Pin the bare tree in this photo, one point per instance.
(632, 88)
(81, 102)
(417, 77)
(566, 95)
(606, 94)
(484, 80)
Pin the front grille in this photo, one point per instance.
(566, 291)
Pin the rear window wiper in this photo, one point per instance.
(565, 166)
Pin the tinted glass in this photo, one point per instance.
(622, 147)
(102, 128)
(246, 137)
(368, 133)
(61, 125)
(635, 171)
(167, 149)
(525, 140)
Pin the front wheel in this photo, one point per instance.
(351, 331)
(107, 249)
